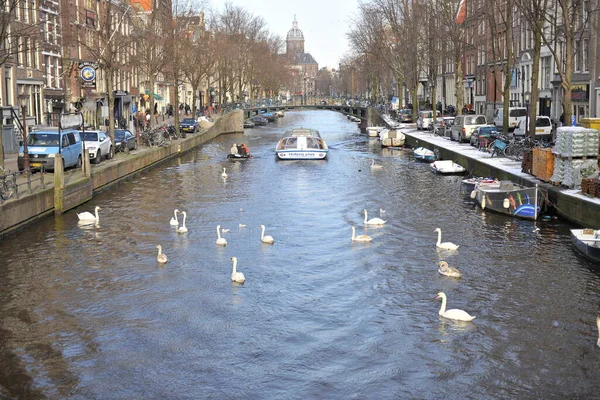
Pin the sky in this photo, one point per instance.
(324, 23)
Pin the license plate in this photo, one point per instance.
(36, 164)
(539, 130)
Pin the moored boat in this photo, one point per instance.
(249, 124)
(587, 242)
(447, 167)
(239, 156)
(424, 154)
(467, 187)
(392, 138)
(506, 197)
(373, 131)
(301, 144)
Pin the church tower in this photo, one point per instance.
(294, 43)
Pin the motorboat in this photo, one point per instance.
(392, 138)
(301, 144)
(235, 157)
(447, 167)
(467, 187)
(249, 124)
(424, 154)
(506, 197)
(259, 120)
(373, 131)
(587, 242)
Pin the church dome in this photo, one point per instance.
(295, 33)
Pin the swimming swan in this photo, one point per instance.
(236, 276)
(266, 239)
(174, 220)
(224, 174)
(220, 241)
(88, 216)
(182, 228)
(161, 257)
(242, 225)
(223, 230)
(375, 166)
(360, 238)
(455, 314)
(445, 245)
(444, 269)
(373, 221)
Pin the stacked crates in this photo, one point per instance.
(576, 155)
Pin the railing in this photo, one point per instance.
(14, 183)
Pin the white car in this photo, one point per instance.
(98, 145)
(425, 119)
(543, 128)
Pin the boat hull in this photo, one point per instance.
(589, 248)
(509, 199)
(392, 138)
(301, 154)
(447, 167)
(423, 154)
(301, 144)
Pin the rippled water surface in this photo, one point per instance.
(86, 312)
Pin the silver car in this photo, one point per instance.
(98, 144)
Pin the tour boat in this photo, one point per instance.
(447, 167)
(392, 138)
(509, 198)
(301, 144)
(587, 242)
(424, 154)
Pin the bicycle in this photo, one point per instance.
(7, 188)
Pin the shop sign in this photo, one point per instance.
(87, 73)
(580, 92)
(121, 93)
(71, 120)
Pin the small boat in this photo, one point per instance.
(424, 154)
(373, 131)
(270, 116)
(301, 144)
(259, 120)
(506, 197)
(467, 187)
(238, 156)
(587, 242)
(249, 124)
(392, 138)
(447, 167)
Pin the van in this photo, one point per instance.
(44, 146)
(543, 128)
(515, 115)
(425, 119)
(464, 126)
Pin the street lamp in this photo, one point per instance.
(526, 95)
(24, 98)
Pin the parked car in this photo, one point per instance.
(190, 125)
(45, 145)
(98, 145)
(515, 115)
(440, 125)
(425, 119)
(125, 140)
(482, 135)
(543, 128)
(405, 115)
(465, 125)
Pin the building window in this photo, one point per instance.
(585, 52)
(546, 69)
(577, 57)
(90, 18)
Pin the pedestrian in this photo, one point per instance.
(562, 119)
(187, 109)
(148, 117)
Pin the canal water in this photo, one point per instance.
(87, 313)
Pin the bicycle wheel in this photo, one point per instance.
(5, 191)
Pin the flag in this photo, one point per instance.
(461, 14)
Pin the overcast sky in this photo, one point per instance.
(324, 23)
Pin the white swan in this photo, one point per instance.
(224, 174)
(236, 276)
(183, 228)
(88, 216)
(375, 166)
(242, 225)
(372, 221)
(360, 238)
(174, 220)
(223, 230)
(266, 239)
(444, 269)
(598, 323)
(445, 245)
(455, 313)
(220, 241)
(161, 257)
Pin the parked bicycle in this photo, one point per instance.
(8, 184)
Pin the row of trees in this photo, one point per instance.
(404, 41)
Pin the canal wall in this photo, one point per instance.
(78, 188)
(568, 203)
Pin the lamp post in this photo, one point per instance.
(24, 98)
(526, 95)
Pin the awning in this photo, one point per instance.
(157, 97)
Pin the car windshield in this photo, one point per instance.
(119, 135)
(488, 129)
(42, 139)
(89, 136)
(475, 120)
(543, 122)
(188, 121)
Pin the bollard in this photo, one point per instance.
(86, 166)
(59, 184)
